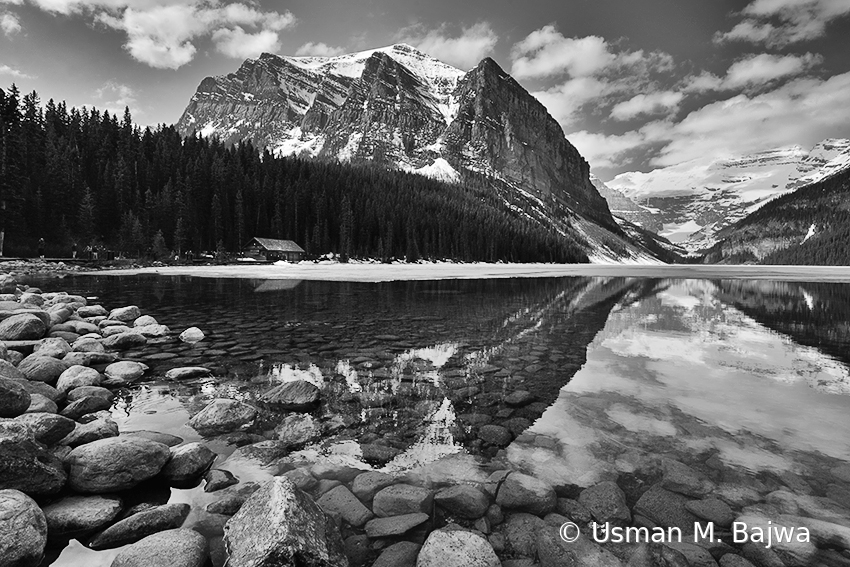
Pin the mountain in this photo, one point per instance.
(697, 199)
(810, 226)
(406, 110)
(623, 207)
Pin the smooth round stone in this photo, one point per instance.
(169, 548)
(90, 404)
(14, 399)
(456, 548)
(76, 376)
(124, 341)
(25, 464)
(23, 530)
(400, 499)
(42, 368)
(401, 554)
(223, 415)
(126, 314)
(85, 433)
(92, 311)
(294, 395)
(463, 501)
(367, 484)
(526, 493)
(495, 435)
(192, 335)
(9, 371)
(45, 390)
(90, 358)
(22, 327)
(85, 391)
(74, 516)
(164, 438)
(42, 404)
(218, 479)
(145, 320)
(52, 346)
(141, 525)
(116, 463)
(84, 344)
(160, 356)
(519, 398)
(47, 428)
(187, 464)
(187, 372)
(126, 370)
(395, 525)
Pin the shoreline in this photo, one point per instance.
(375, 273)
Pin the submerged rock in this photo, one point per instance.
(295, 395)
(281, 525)
(223, 415)
(525, 493)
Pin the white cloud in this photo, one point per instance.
(545, 52)
(163, 33)
(117, 94)
(603, 151)
(777, 23)
(11, 71)
(465, 51)
(652, 103)
(319, 50)
(10, 24)
(754, 71)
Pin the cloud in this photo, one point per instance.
(163, 33)
(652, 103)
(319, 50)
(777, 23)
(11, 71)
(588, 71)
(755, 71)
(465, 51)
(607, 151)
(10, 24)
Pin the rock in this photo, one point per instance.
(223, 415)
(14, 399)
(367, 484)
(341, 502)
(298, 429)
(218, 479)
(84, 433)
(47, 428)
(42, 404)
(124, 341)
(519, 398)
(76, 516)
(187, 372)
(153, 331)
(23, 530)
(712, 510)
(140, 525)
(144, 321)
(187, 464)
(25, 464)
(89, 358)
(92, 311)
(164, 438)
(305, 481)
(680, 478)
(230, 502)
(395, 525)
(375, 454)
(456, 548)
(126, 314)
(526, 493)
(8, 284)
(9, 371)
(169, 548)
(192, 335)
(666, 509)
(520, 532)
(695, 555)
(656, 555)
(463, 501)
(55, 347)
(281, 525)
(22, 327)
(555, 552)
(115, 463)
(76, 376)
(732, 560)
(87, 345)
(401, 554)
(574, 510)
(90, 404)
(295, 395)
(42, 368)
(126, 370)
(400, 499)
(606, 503)
(81, 392)
(495, 435)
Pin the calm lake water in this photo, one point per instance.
(747, 378)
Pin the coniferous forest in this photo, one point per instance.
(90, 178)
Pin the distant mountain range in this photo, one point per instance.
(399, 107)
(693, 202)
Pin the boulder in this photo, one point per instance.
(169, 548)
(141, 525)
(76, 516)
(23, 530)
(223, 415)
(22, 327)
(14, 399)
(520, 532)
(341, 502)
(294, 395)
(25, 464)
(527, 494)
(45, 390)
(126, 314)
(114, 463)
(400, 499)
(76, 376)
(218, 479)
(456, 548)
(281, 525)
(606, 503)
(124, 341)
(187, 372)
(95, 430)
(192, 335)
(463, 501)
(187, 464)
(395, 525)
(55, 347)
(47, 428)
(126, 370)
(80, 392)
(42, 368)
(230, 501)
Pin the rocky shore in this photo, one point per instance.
(66, 472)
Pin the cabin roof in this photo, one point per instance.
(276, 245)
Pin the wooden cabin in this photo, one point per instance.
(272, 249)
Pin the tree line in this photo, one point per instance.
(89, 178)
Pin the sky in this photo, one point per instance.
(635, 85)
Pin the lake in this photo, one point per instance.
(587, 378)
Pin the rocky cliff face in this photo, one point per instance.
(400, 107)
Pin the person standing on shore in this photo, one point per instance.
(74, 250)
(41, 248)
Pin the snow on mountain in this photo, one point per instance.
(696, 199)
